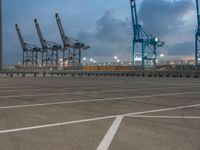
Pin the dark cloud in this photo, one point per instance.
(111, 36)
(164, 17)
(181, 49)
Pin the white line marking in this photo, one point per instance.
(106, 91)
(96, 100)
(165, 109)
(166, 117)
(105, 143)
(94, 119)
(55, 124)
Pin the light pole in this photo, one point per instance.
(162, 55)
(115, 58)
(84, 61)
(1, 43)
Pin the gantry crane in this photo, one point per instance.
(197, 37)
(30, 51)
(145, 41)
(71, 48)
(50, 50)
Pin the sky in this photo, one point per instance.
(105, 25)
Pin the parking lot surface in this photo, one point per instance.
(99, 113)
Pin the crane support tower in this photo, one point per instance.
(71, 48)
(197, 38)
(50, 50)
(144, 42)
(30, 51)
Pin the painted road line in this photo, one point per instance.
(105, 143)
(95, 100)
(94, 119)
(164, 109)
(166, 117)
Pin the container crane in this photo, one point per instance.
(30, 51)
(50, 50)
(71, 48)
(197, 38)
(145, 41)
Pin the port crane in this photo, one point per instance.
(71, 47)
(143, 42)
(50, 50)
(197, 37)
(30, 51)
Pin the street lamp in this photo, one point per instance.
(115, 57)
(162, 55)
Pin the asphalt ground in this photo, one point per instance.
(99, 113)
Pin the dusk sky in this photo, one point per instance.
(103, 24)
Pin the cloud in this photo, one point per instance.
(169, 20)
(164, 17)
(181, 49)
(111, 37)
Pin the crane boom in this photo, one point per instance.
(198, 13)
(62, 32)
(30, 51)
(67, 41)
(49, 49)
(134, 13)
(23, 44)
(71, 46)
(45, 44)
(42, 41)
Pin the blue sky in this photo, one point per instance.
(103, 24)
